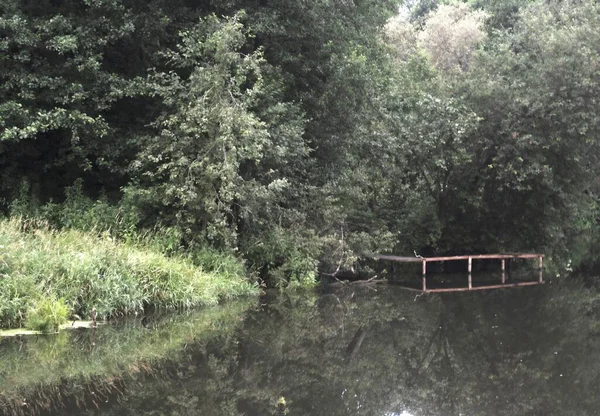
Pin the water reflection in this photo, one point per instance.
(352, 351)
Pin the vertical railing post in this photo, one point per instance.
(470, 269)
(503, 271)
(540, 265)
(424, 275)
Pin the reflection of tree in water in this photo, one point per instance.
(522, 352)
(49, 398)
(364, 353)
(359, 352)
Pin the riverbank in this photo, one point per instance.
(47, 276)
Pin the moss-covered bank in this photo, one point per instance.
(45, 268)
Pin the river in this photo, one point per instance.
(350, 350)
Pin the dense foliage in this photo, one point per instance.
(300, 136)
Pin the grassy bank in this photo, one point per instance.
(46, 274)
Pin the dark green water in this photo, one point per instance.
(351, 351)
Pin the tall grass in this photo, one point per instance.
(47, 315)
(94, 270)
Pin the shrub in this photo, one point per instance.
(218, 262)
(287, 258)
(78, 212)
(47, 315)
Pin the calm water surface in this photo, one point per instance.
(346, 351)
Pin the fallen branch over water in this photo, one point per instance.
(372, 281)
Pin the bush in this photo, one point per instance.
(218, 262)
(286, 258)
(79, 212)
(47, 315)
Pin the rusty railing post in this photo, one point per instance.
(424, 275)
(470, 269)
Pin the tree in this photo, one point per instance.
(534, 88)
(213, 160)
(451, 35)
(55, 91)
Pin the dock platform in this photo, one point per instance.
(469, 258)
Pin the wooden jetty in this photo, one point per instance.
(469, 258)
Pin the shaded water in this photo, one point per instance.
(349, 351)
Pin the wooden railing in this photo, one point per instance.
(469, 258)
